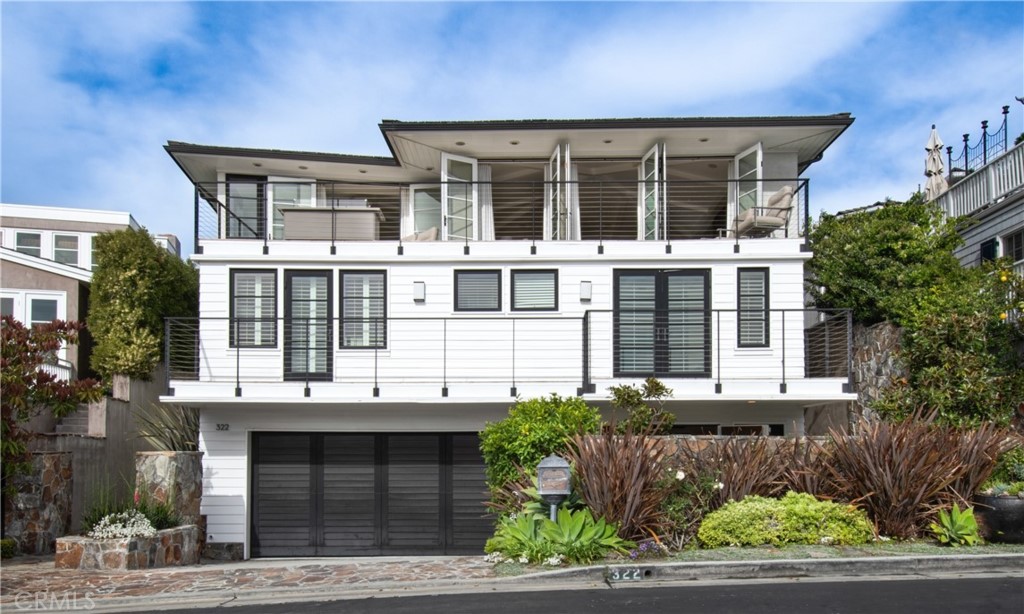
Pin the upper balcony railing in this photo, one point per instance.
(595, 210)
(1001, 177)
(437, 352)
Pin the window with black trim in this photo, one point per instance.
(308, 326)
(478, 290)
(363, 309)
(245, 215)
(253, 308)
(752, 299)
(989, 250)
(534, 290)
(30, 243)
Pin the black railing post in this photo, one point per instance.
(196, 247)
(167, 355)
(533, 219)
(967, 152)
(782, 386)
(949, 162)
(984, 142)
(587, 385)
(1005, 128)
(444, 358)
(600, 218)
(807, 212)
(513, 391)
(849, 350)
(718, 351)
(828, 345)
(376, 352)
(238, 361)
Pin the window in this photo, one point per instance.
(245, 215)
(308, 326)
(534, 290)
(7, 306)
(363, 315)
(989, 251)
(253, 309)
(752, 292)
(1013, 246)
(42, 311)
(477, 290)
(65, 249)
(30, 243)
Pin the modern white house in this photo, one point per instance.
(362, 318)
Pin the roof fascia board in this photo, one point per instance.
(41, 264)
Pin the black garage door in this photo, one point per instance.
(327, 494)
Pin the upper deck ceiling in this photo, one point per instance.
(417, 146)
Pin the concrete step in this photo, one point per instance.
(75, 423)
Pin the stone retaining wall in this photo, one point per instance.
(40, 512)
(169, 548)
(172, 477)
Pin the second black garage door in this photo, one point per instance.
(335, 494)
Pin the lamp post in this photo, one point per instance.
(553, 482)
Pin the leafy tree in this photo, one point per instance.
(961, 325)
(640, 408)
(875, 262)
(959, 349)
(533, 429)
(28, 389)
(136, 284)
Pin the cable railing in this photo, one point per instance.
(437, 352)
(585, 210)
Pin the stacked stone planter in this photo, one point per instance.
(40, 512)
(175, 478)
(169, 548)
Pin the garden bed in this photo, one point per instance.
(168, 548)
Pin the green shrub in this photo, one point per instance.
(574, 537)
(161, 515)
(104, 503)
(797, 518)
(956, 527)
(639, 405)
(689, 498)
(533, 429)
(8, 548)
(1010, 467)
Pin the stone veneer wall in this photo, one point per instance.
(169, 548)
(172, 477)
(875, 364)
(40, 512)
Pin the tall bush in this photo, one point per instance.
(620, 478)
(136, 284)
(533, 429)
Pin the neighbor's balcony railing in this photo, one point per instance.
(989, 184)
(593, 210)
(60, 369)
(510, 351)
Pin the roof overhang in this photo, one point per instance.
(42, 264)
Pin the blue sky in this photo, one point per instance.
(91, 91)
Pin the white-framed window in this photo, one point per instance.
(534, 290)
(747, 172)
(363, 309)
(652, 195)
(65, 249)
(459, 194)
(478, 290)
(1013, 246)
(30, 243)
(288, 192)
(7, 306)
(253, 308)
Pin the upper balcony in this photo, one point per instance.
(609, 208)
(980, 189)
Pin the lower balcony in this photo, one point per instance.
(712, 354)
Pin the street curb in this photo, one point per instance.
(598, 576)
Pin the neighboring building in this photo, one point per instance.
(987, 185)
(46, 261)
(362, 318)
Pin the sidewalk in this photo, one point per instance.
(32, 583)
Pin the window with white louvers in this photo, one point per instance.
(363, 305)
(752, 298)
(478, 290)
(308, 327)
(253, 308)
(534, 290)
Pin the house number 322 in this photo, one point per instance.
(223, 427)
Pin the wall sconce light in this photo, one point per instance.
(419, 291)
(586, 291)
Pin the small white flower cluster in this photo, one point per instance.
(719, 486)
(554, 561)
(680, 475)
(826, 540)
(121, 525)
(495, 558)
(883, 538)
(523, 559)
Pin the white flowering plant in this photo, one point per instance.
(122, 525)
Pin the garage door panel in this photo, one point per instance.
(413, 496)
(350, 515)
(283, 491)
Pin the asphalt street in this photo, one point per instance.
(962, 595)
